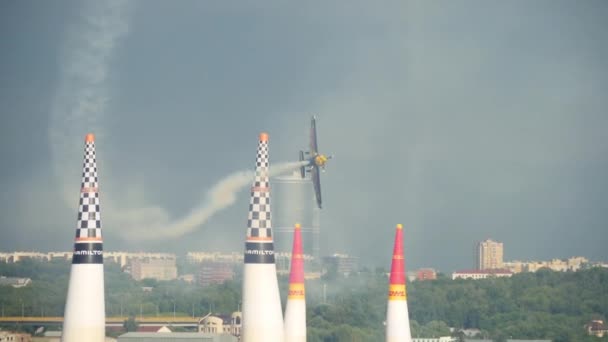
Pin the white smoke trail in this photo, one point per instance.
(82, 94)
(79, 107)
(220, 196)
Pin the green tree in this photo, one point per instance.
(130, 324)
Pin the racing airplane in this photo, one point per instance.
(316, 162)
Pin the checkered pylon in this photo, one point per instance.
(259, 225)
(89, 217)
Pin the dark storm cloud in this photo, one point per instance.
(461, 120)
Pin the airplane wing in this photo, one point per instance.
(316, 183)
(313, 137)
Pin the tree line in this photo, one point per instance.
(541, 305)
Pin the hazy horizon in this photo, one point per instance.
(461, 120)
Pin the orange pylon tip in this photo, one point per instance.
(297, 226)
(399, 226)
(89, 137)
(263, 136)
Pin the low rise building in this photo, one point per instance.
(221, 324)
(230, 257)
(8, 336)
(124, 259)
(211, 324)
(175, 336)
(426, 274)
(188, 278)
(159, 269)
(67, 256)
(558, 265)
(283, 262)
(341, 263)
(481, 274)
(14, 282)
(514, 266)
(597, 328)
(48, 336)
(576, 263)
(215, 272)
(20, 256)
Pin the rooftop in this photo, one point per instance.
(192, 336)
(491, 271)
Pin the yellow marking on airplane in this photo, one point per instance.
(320, 160)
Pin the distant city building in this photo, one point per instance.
(555, 265)
(426, 274)
(215, 272)
(481, 274)
(576, 263)
(283, 262)
(20, 256)
(341, 263)
(124, 259)
(159, 269)
(558, 265)
(14, 282)
(514, 266)
(200, 257)
(67, 256)
(489, 255)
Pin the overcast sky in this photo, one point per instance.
(463, 120)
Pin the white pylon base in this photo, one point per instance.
(398, 322)
(85, 314)
(295, 320)
(262, 312)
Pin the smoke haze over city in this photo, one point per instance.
(463, 121)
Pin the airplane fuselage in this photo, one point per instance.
(315, 162)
